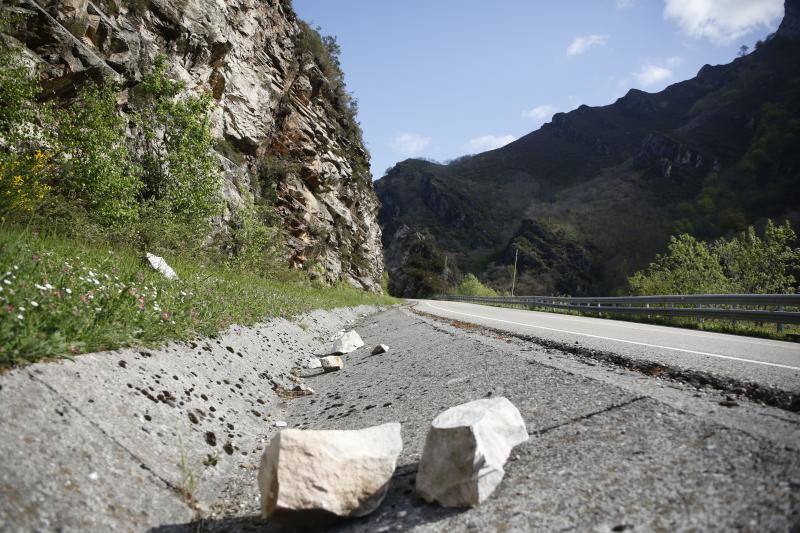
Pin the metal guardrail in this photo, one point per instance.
(763, 308)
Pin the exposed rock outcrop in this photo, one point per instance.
(282, 126)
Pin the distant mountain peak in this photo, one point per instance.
(790, 26)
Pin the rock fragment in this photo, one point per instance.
(314, 362)
(308, 475)
(379, 349)
(349, 342)
(331, 363)
(465, 450)
(160, 265)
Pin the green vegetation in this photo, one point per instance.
(65, 296)
(747, 263)
(471, 286)
(85, 188)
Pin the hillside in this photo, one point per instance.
(282, 121)
(593, 195)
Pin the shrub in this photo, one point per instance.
(746, 263)
(180, 172)
(95, 166)
(688, 267)
(761, 266)
(472, 286)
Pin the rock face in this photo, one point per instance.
(465, 451)
(284, 130)
(349, 342)
(308, 475)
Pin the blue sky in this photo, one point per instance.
(444, 78)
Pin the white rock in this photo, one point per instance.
(314, 362)
(159, 264)
(345, 473)
(465, 450)
(280, 424)
(331, 363)
(347, 343)
(379, 349)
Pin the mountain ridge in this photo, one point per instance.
(607, 184)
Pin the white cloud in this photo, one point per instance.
(488, 142)
(540, 113)
(582, 44)
(410, 144)
(651, 74)
(674, 61)
(722, 21)
(624, 4)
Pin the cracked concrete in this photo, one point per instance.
(130, 439)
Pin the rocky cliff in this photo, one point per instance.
(593, 195)
(285, 126)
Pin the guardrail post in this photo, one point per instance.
(780, 324)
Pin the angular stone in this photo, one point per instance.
(331, 363)
(349, 342)
(307, 475)
(465, 450)
(160, 265)
(379, 349)
(314, 362)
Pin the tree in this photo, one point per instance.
(471, 286)
(688, 267)
(743, 50)
(756, 265)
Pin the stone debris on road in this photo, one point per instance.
(379, 349)
(349, 342)
(465, 450)
(160, 265)
(313, 363)
(306, 475)
(332, 363)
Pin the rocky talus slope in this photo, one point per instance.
(283, 124)
(593, 195)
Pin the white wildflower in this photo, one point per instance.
(48, 286)
(67, 290)
(40, 287)
(20, 317)
(6, 282)
(34, 304)
(21, 308)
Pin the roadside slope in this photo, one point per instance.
(134, 438)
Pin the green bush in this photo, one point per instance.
(756, 265)
(180, 172)
(95, 166)
(472, 286)
(746, 263)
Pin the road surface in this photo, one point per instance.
(767, 362)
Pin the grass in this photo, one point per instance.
(61, 297)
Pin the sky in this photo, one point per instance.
(444, 78)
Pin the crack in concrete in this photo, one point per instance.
(181, 493)
(540, 432)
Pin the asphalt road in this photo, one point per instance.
(767, 362)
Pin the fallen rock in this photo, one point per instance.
(160, 265)
(379, 349)
(308, 475)
(349, 342)
(465, 450)
(331, 363)
(280, 424)
(314, 362)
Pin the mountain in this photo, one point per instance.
(283, 122)
(593, 195)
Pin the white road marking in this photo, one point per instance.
(731, 358)
(652, 328)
